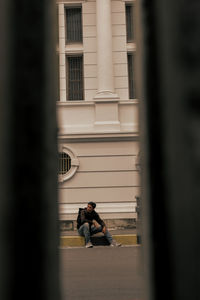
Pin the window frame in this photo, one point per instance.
(67, 75)
(64, 163)
(73, 6)
(74, 163)
(133, 85)
(132, 39)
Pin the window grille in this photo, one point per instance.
(129, 23)
(75, 78)
(74, 25)
(64, 163)
(131, 76)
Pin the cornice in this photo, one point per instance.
(70, 1)
(91, 103)
(99, 137)
(75, 103)
(129, 1)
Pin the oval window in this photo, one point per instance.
(68, 163)
(64, 163)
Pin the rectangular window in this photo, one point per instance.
(131, 78)
(74, 77)
(74, 25)
(129, 23)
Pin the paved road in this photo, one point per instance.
(101, 273)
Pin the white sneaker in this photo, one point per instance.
(89, 245)
(115, 244)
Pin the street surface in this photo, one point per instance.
(101, 273)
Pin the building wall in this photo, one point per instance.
(106, 175)
(90, 49)
(102, 135)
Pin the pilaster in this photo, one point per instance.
(106, 101)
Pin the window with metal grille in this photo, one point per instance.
(73, 25)
(64, 163)
(129, 23)
(74, 77)
(131, 76)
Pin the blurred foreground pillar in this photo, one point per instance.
(170, 126)
(28, 152)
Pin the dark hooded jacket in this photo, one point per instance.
(86, 217)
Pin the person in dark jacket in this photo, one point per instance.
(89, 223)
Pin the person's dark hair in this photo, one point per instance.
(92, 204)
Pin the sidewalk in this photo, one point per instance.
(124, 236)
(101, 273)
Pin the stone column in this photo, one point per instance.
(104, 49)
(106, 101)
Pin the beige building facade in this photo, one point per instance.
(97, 108)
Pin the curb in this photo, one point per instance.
(78, 241)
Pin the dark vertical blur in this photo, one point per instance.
(169, 48)
(28, 152)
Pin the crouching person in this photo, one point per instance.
(89, 223)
